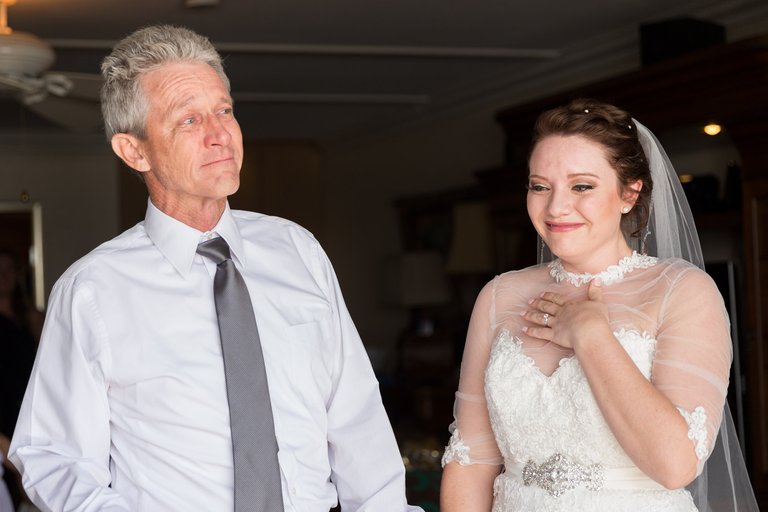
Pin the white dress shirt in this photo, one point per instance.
(126, 408)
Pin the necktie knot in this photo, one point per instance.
(215, 249)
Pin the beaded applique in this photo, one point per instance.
(558, 474)
(612, 274)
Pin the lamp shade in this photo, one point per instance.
(415, 278)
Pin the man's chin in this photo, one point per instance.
(232, 187)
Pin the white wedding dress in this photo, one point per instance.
(527, 404)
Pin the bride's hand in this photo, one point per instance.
(567, 323)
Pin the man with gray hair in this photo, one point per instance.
(203, 360)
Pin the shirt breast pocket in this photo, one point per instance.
(300, 399)
(307, 363)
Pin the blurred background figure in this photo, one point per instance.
(20, 325)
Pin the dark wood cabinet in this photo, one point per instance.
(726, 83)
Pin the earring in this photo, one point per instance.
(542, 248)
(625, 209)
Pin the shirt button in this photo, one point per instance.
(293, 490)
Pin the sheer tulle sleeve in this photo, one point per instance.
(472, 440)
(693, 355)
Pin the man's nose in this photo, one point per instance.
(217, 134)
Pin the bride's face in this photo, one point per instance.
(575, 202)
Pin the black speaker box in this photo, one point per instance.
(666, 39)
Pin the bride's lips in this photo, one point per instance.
(562, 227)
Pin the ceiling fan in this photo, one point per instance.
(66, 98)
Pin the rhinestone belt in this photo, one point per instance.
(557, 475)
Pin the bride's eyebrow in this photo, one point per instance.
(583, 175)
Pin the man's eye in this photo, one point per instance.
(188, 120)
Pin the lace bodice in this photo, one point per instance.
(534, 415)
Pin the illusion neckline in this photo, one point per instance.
(612, 274)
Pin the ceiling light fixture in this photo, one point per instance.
(21, 53)
(712, 129)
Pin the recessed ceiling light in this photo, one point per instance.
(712, 129)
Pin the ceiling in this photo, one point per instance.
(330, 69)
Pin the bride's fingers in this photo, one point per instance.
(544, 306)
(540, 318)
(542, 333)
(553, 297)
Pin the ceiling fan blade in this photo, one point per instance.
(85, 86)
(72, 113)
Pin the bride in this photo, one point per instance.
(597, 382)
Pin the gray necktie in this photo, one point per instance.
(257, 473)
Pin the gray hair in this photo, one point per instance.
(123, 103)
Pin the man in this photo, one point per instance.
(129, 405)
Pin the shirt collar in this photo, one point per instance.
(178, 242)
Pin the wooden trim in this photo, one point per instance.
(756, 247)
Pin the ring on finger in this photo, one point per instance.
(546, 319)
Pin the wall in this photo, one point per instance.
(75, 180)
(78, 181)
(82, 187)
(366, 177)
(361, 178)
(279, 177)
(286, 179)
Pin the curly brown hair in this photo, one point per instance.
(615, 130)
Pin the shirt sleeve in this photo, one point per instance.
(61, 444)
(693, 356)
(472, 440)
(365, 461)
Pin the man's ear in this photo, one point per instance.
(631, 192)
(131, 151)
